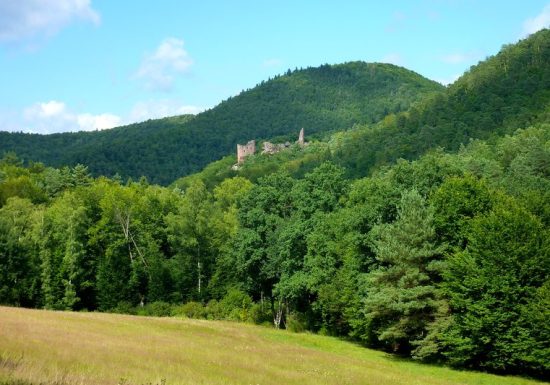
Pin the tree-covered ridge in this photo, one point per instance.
(507, 91)
(503, 93)
(127, 151)
(443, 258)
(323, 99)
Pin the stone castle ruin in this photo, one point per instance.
(244, 150)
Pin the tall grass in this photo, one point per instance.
(45, 347)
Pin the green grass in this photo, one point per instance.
(45, 347)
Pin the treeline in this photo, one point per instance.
(322, 99)
(500, 94)
(445, 258)
(495, 97)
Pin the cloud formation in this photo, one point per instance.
(159, 69)
(25, 19)
(448, 80)
(271, 63)
(393, 58)
(460, 57)
(153, 109)
(55, 116)
(542, 20)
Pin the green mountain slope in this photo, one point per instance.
(322, 99)
(508, 91)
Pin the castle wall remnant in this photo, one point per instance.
(301, 138)
(271, 148)
(243, 150)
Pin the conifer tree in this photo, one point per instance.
(403, 296)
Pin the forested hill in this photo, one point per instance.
(442, 258)
(322, 99)
(508, 91)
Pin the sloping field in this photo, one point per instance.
(45, 347)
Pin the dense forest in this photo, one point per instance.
(495, 97)
(322, 99)
(379, 234)
(443, 258)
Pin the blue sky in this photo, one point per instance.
(69, 65)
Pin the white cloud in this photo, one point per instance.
(448, 80)
(542, 20)
(89, 122)
(273, 62)
(392, 58)
(455, 58)
(55, 116)
(397, 22)
(24, 19)
(154, 109)
(46, 110)
(459, 57)
(159, 69)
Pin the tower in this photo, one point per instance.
(301, 138)
(243, 150)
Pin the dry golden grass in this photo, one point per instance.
(92, 348)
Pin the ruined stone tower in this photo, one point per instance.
(301, 138)
(243, 150)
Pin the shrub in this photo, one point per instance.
(156, 309)
(123, 307)
(213, 310)
(260, 315)
(296, 322)
(190, 310)
(235, 305)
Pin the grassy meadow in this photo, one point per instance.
(46, 347)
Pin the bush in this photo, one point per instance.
(123, 307)
(213, 310)
(190, 310)
(235, 305)
(156, 309)
(296, 322)
(260, 315)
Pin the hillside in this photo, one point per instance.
(505, 92)
(323, 99)
(508, 91)
(444, 256)
(43, 347)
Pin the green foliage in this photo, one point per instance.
(19, 263)
(443, 257)
(191, 310)
(156, 309)
(497, 96)
(322, 99)
(296, 322)
(490, 286)
(456, 201)
(403, 298)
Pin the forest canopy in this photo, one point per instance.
(425, 234)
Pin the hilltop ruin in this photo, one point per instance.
(244, 150)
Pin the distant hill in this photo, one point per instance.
(322, 99)
(506, 92)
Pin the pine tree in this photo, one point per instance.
(403, 296)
